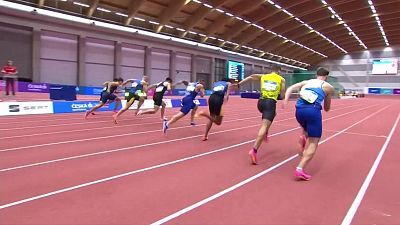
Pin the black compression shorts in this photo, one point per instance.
(215, 103)
(268, 108)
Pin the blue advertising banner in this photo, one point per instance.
(82, 90)
(386, 91)
(80, 106)
(374, 90)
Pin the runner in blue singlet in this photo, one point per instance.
(192, 90)
(315, 94)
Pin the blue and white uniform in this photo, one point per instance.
(107, 95)
(309, 106)
(135, 91)
(190, 95)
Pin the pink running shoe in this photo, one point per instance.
(253, 156)
(300, 174)
(87, 114)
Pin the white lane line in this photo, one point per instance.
(111, 136)
(250, 179)
(84, 122)
(361, 193)
(109, 121)
(100, 128)
(132, 172)
(118, 135)
(106, 118)
(150, 168)
(143, 145)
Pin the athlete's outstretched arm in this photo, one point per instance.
(251, 77)
(127, 81)
(293, 88)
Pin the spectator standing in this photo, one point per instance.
(9, 72)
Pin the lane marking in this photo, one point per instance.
(252, 178)
(361, 193)
(154, 167)
(118, 135)
(142, 145)
(84, 122)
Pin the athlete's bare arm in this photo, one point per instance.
(329, 90)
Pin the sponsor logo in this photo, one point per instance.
(37, 86)
(197, 102)
(13, 108)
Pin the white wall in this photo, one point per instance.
(99, 61)
(132, 62)
(354, 70)
(59, 58)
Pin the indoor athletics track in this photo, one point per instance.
(61, 169)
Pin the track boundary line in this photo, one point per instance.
(143, 145)
(168, 163)
(252, 178)
(122, 135)
(364, 187)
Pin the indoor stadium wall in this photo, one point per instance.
(63, 52)
(354, 71)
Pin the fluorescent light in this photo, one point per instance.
(121, 14)
(81, 4)
(154, 22)
(192, 32)
(180, 29)
(168, 26)
(220, 10)
(239, 18)
(207, 5)
(228, 14)
(140, 19)
(196, 1)
(246, 21)
(103, 10)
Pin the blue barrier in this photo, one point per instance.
(62, 92)
(374, 90)
(79, 106)
(250, 95)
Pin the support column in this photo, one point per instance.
(147, 62)
(172, 65)
(194, 69)
(36, 53)
(212, 64)
(117, 59)
(252, 72)
(81, 60)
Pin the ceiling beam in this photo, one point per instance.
(199, 15)
(92, 9)
(170, 12)
(41, 3)
(133, 9)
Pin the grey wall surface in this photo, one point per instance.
(16, 45)
(354, 70)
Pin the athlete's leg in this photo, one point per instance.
(141, 101)
(117, 103)
(262, 132)
(163, 106)
(149, 111)
(208, 127)
(127, 106)
(98, 106)
(192, 115)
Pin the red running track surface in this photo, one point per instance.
(61, 169)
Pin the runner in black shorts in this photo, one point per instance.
(108, 95)
(160, 89)
(215, 104)
(272, 85)
(137, 92)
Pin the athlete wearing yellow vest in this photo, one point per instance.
(272, 85)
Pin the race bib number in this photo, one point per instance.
(190, 88)
(126, 94)
(308, 95)
(134, 84)
(270, 86)
(159, 89)
(219, 88)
